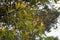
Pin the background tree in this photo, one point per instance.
(21, 19)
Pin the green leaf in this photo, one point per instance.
(33, 2)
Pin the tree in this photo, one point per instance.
(23, 21)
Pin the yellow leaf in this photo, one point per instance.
(41, 27)
(23, 5)
(10, 10)
(27, 22)
(42, 23)
(18, 4)
(25, 12)
(34, 23)
(27, 33)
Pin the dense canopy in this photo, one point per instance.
(21, 19)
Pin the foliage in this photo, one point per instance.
(51, 38)
(25, 19)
